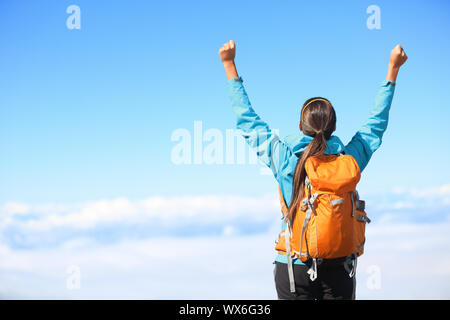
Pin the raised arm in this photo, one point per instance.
(269, 149)
(369, 137)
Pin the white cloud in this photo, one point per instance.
(40, 241)
(405, 203)
(206, 209)
(15, 208)
(434, 192)
(413, 262)
(157, 268)
(88, 216)
(229, 230)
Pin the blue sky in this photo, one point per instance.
(89, 113)
(86, 116)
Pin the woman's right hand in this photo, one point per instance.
(398, 57)
(227, 52)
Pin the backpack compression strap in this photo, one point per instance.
(307, 202)
(287, 236)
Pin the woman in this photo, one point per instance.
(295, 277)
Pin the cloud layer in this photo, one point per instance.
(209, 247)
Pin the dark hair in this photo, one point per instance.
(319, 121)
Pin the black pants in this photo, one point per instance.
(333, 282)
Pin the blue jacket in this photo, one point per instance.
(281, 155)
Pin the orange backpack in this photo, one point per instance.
(330, 222)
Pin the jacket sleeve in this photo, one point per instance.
(269, 149)
(369, 137)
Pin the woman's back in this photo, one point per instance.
(287, 158)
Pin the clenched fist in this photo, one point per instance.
(227, 52)
(398, 57)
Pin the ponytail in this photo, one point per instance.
(316, 147)
(318, 120)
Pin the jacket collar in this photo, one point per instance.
(299, 142)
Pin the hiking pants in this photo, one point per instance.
(333, 282)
